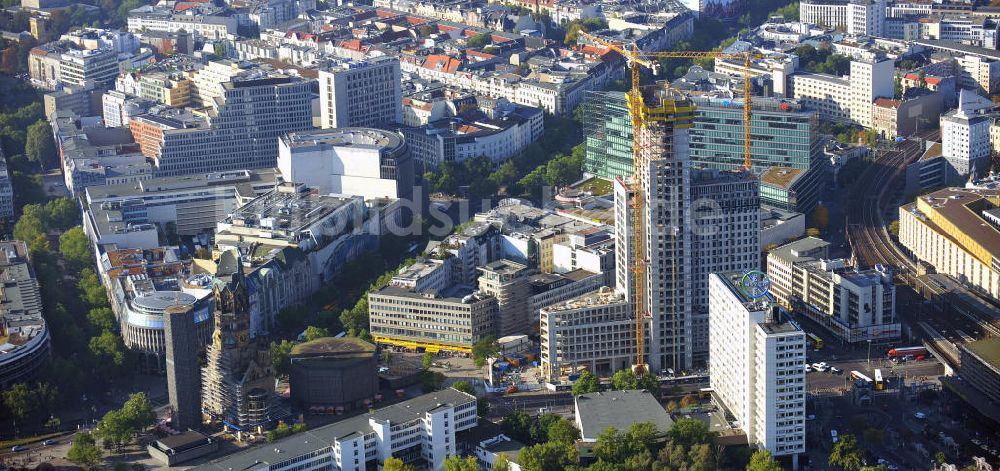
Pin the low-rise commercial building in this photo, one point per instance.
(595, 412)
(980, 366)
(453, 319)
(756, 367)
(957, 231)
(420, 431)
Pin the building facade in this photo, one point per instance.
(756, 367)
(361, 94)
(27, 346)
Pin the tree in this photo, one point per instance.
(428, 360)
(517, 425)
(91, 291)
(894, 228)
(280, 351)
(62, 213)
(626, 379)
(108, 349)
(19, 400)
(940, 457)
(761, 460)
(101, 319)
(114, 429)
(549, 456)
(501, 463)
(457, 463)
(688, 401)
(563, 431)
(478, 41)
(75, 247)
(702, 458)
(139, 411)
(845, 453)
(84, 451)
(463, 386)
(586, 383)
(312, 333)
(812, 232)
(29, 226)
(39, 145)
(484, 349)
(689, 432)
(395, 464)
(612, 446)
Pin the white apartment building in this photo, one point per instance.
(855, 17)
(6, 191)
(965, 138)
(847, 99)
(361, 94)
(356, 161)
(954, 231)
(756, 367)
(208, 26)
(420, 431)
(852, 304)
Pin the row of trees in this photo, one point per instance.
(116, 429)
(621, 380)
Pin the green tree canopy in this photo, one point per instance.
(548, 456)
(845, 453)
(84, 451)
(280, 351)
(75, 248)
(479, 40)
(395, 464)
(586, 383)
(483, 349)
(761, 460)
(457, 463)
(313, 333)
(39, 145)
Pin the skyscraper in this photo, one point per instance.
(665, 222)
(238, 379)
(183, 375)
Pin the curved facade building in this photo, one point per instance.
(24, 335)
(142, 320)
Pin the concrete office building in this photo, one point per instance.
(852, 304)
(192, 204)
(453, 319)
(980, 366)
(240, 132)
(204, 21)
(756, 367)
(27, 342)
(846, 99)
(725, 237)
(955, 230)
(361, 94)
(593, 332)
(472, 135)
(238, 378)
(420, 431)
(333, 372)
(356, 161)
(507, 281)
(183, 374)
(785, 134)
(965, 137)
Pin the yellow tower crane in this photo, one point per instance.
(637, 113)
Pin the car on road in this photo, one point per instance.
(920, 415)
(811, 417)
(809, 369)
(50, 442)
(835, 370)
(18, 448)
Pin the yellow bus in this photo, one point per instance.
(879, 384)
(815, 341)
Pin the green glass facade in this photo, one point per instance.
(608, 134)
(783, 134)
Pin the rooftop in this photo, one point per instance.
(20, 300)
(325, 436)
(987, 349)
(802, 250)
(600, 297)
(961, 209)
(239, 178)
(783, 177)
(286, 212)
(365, 138)
(619, 409)
(333, 346)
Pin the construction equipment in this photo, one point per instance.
(637, 113)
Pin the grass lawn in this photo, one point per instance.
(596, 186)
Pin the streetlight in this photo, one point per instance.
(869, 352)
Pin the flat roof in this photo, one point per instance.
(332, 346)
(184, 182)
(782, 177)
(619, 409)
(453, 294)
(369, 138)
(286, 211)
(323, 437)
(961, 208)
(959, 47)
(987, 349)
(795, 251)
